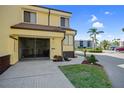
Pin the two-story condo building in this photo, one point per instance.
(29, 31)
(83, 43)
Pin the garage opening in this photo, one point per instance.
(34, 48)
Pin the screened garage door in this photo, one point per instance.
(34, 47)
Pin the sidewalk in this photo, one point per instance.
(107, 53)
(114, 54)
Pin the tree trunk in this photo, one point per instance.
(94, 41)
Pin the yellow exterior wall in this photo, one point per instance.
(56, 49)
(13, 47)
(69, 47)
(70, 32)
(11, 15)
(42, 18)
(42, 15)
(35, 33)
(3, 37)
(55, 40)
(54, 20)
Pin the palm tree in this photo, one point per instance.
(97, 41)
(93, 32)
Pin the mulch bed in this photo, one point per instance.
(86, 62)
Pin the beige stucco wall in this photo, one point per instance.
(13, 50)
(8, 16)
(42, 18)
(55, 41)
(11, 15)
(3, 35)
(56, 49)
(69, 47)
(35, 33)
(54, 20)
(69, 32)
(42, 15)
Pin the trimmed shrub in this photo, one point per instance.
(91, 59)
(57, 58)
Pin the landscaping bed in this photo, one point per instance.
(97, 50)
(86, 76)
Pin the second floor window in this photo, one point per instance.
(30, 17)
(64, 22)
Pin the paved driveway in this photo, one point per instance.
(34, 74)
(115, 73)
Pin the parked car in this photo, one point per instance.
(120, 49)
(112, 48)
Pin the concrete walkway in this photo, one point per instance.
(105, 52)
(36, 74)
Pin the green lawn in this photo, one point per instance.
(86, 76)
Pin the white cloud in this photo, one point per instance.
(108, 13)
(97, 25)
(110, 36)
(94, 18)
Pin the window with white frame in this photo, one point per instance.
(30, 17)
(68, 40)
(64, 22)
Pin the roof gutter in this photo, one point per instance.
(52, 9)
(62, 44)
(49, 18)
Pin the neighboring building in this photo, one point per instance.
(121, 43)
(83, 43)
(34, 31)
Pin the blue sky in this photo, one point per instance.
(109, 19)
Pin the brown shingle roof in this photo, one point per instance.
(40, 27)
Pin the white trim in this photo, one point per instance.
(32, 11)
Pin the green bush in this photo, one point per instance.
(92, 59)
(97, 50)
